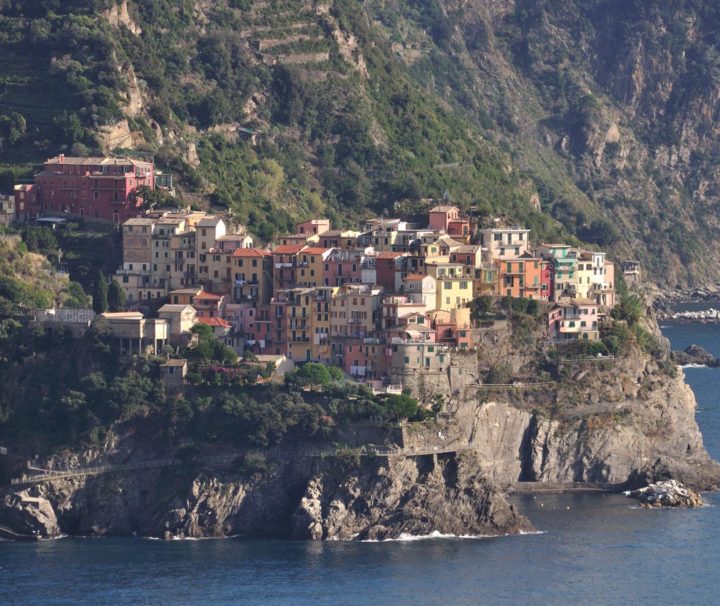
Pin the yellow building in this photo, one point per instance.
(299, 323)
(220, 272)
(182, 251)
(453, 292)
(309, 266)
(252, 275)
(355, 310)
(320, 323)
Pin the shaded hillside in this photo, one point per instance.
(603, 110)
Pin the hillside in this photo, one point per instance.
(596, 118)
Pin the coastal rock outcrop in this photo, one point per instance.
(666, 494)
(405, 497)
(28, 515)
(334, 499)
(694, 354)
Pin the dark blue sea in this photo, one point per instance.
(593, 550)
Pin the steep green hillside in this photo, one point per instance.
(604, 111)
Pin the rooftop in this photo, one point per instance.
(251, 252)
(208, 221)
(288, 249)
(96, 160)
(208, 295)
(139, 221)
(173, 307)
(444, 209)
(122, 315)
(186, 291)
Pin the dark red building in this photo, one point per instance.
(100, 188)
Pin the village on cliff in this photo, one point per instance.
(383, 301)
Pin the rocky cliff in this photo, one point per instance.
(377, 498)
(623, 422)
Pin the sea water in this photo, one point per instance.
(592, 549)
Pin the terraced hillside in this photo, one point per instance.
(597, 119)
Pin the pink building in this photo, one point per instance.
(364, 359)
(99, 188)
(209, 305)
(449, 219)
(343, 267)
(252, 323)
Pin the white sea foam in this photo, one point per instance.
(177, 538)
(693, 366)
(405, 537)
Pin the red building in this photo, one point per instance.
(100, 188)
(449, 219)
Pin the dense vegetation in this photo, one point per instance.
(335, 138)
(59, 390)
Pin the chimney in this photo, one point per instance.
(62, 158)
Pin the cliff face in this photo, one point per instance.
(415, 496)
(623, 426)
(372, 499)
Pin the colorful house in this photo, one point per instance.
(505, 244)
(450, 220)
(252, 275)
(110, 189)
(310, 265)
(574, 320)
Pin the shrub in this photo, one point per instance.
(499, 374)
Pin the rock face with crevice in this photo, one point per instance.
(405, 497)
(341, 499)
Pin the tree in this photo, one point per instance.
(401, 406)
(76, 296)
(481, 307)
(631, 309)
(100, 294)
(311, 373)
(115, 296)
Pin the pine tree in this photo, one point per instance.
(100, 294)
(115, 296)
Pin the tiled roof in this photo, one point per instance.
(414, 277)
(186, 291)
(315, 250)
(208, 295)
(250, 252)
(208, 221)
(443, 209)
(288, 249)
(174, 307)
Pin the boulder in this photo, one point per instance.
(28, 515)
(694, 354)
(666, 494)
